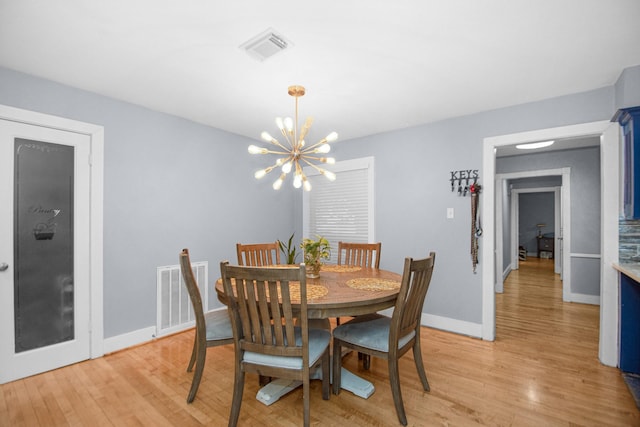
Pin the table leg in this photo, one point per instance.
(277, 388)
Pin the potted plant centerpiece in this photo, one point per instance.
(314, 252)
(289, 250)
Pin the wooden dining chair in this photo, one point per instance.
(359, 254)
(212, 328)
(390, 337)
(258, 254)
(267, 339)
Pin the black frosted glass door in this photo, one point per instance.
(43, 244)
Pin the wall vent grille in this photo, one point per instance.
(175, 312)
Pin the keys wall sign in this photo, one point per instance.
(462, 180)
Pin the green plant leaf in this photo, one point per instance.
(289, 250)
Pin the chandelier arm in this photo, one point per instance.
(276, 152)
(305, 129)
(319, 169)
(278, 144)
(317, 144)
(275, 165)
(286, 137)
(319, 158)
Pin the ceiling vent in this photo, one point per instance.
(265, 45)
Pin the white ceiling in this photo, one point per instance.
(368, 66)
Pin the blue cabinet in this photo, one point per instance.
(629, 119)
(629, 325)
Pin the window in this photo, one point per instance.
(341, 210)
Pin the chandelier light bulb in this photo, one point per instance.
(266, 136)
(324, 149)
(328, 160)
(288, 124)
(278, 182)
(286, 168)
(332, 137)
(330, 175)
(260, 174)
(297, 181)
(254, 149)
(279, 123)
(306, 184)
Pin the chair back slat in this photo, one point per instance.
(416, 278)
(263, 296)
(192, 287)
(359, 254)
(258, 254)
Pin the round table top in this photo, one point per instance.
(350, 291)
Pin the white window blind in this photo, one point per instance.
(341, 210)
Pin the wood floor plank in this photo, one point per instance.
(542, 370)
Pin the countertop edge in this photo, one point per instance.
(630, 270)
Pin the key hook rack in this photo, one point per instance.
(463, 181)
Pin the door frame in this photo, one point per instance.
(96, 149)
(562, 213)
(557, 219)
(609, 134)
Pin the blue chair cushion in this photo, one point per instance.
(318, 341)
(369, 332)
(218, 325)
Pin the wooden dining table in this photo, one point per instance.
(346, 291)
(340, 291)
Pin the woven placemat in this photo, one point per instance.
(313, 291)
(340, 268)
(372, 284)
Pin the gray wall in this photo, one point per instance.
(628, 88)
(413, 191)
(169, 184)
(161, 169)
(585, 189)
(535, 208)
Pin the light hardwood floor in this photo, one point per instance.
(542, 370)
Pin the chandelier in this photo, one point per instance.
(293, 150)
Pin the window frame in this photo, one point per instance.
(366, 163)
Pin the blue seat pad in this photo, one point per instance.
(318, 341)
(371, 331)
(218, 325)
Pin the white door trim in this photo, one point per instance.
(96, 135)
(610, 161)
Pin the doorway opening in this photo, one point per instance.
(506, 260)
(608, 134)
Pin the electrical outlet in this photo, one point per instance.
(449, 213)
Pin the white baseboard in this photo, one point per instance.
(129, 339)
(585, 299)
(141, 336)
(506, 272)
(452, 325)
